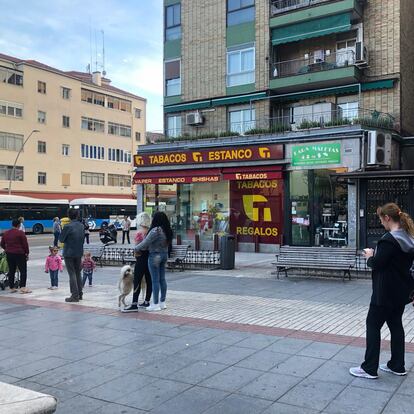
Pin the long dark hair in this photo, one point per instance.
(160, 219)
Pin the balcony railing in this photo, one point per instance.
(313, 63)
(296, 122)
(282, 6)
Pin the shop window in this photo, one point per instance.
(173, 126)
(242, 120)
(240, 11)
(173, 78)
(241, 66)
(173, 22)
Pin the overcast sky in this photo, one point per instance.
(57, 33)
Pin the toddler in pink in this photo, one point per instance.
(52, 266)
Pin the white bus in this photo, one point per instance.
(38, 213)
(101, 211)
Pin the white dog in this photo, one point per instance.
(126, 284)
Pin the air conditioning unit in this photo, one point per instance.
(361, 55)
(194, 118)
(379, 148)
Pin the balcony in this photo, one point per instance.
(283, 6)
(322, 69)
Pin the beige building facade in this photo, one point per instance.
(85, 132)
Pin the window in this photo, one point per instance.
(41, 117)
(173, 22)
(6, 173)
(137, 136)
(93, 124)
(65, 121)
(345, 52)
(100, 99)
(11, 76)
(348, 110)
(137, 113)
(41, 178)
(91, 178)
(173, 126)
(124, 105)
(41, 147)
(65, 93)
(65, 150)
(242, 120)
(10, 142)
(11, 109)
(173, 78)
(117, 180)
(41, 87)
(119, 155)
(119, 129)
(93, 152)
(241, 66)
(240, 11)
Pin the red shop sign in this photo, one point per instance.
(177, 180)
(209, 156)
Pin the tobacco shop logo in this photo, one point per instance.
(264, 152)
(197, 157)
(139, 160)
(249, 202)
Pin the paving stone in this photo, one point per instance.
(312, 394)
(197, 372)
(79, 404)
(231, 379)
(333, 371)
(400, 404)
(288, 345)
(8, 379)
(386, 382)
(258, 341)
(231, 337)
(36, 367)
(270, 386)
(230, 355)
(321, 350)
(61, 395)
(201, 350)
(300, 366)
(117, 409)
(351, 354)
(279, 408)
(263, 360)
(359, 401)
(195, 400)
(239, 404)
(166, 366)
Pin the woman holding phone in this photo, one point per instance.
(392, 286)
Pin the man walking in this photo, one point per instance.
(126, 227)
(14, 243)
(73, 235)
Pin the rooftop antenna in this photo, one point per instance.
(96, 54)
(89, 67)
(103, 53)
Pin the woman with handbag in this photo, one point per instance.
(392, 286)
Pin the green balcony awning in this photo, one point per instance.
(229, 100)
(187, 106)
(381, 84)
(313, 28)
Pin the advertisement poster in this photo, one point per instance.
(256, 210)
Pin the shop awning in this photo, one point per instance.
(205, 175)
(312, 28)
(265, 172)
(229, 100)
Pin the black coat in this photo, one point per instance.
(391, 279)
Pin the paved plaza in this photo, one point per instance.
(235, 341)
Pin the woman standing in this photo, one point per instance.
(57, 229)
(392, 286)
(157, 242)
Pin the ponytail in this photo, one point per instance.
(394, 212)
(407, 223)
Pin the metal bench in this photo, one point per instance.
(316, 258)
(177, 256)
(97, 253)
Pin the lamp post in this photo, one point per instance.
(13, 172)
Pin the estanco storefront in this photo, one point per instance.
(216, 190)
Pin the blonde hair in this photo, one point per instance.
(393, 211)
(86, 254)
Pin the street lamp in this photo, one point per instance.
(13, 172)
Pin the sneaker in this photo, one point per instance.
(153, 307)
(144, 305)
(90, 285)
(50, 287)
(80, 296)
(163, 305)
(71, 299)
(130, 308)
(13, 290)
(384, 367)
(360, 373)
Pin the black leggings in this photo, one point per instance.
(141, 270)
(17, 261)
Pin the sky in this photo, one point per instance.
(58, 33)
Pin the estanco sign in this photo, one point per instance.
(209, 156)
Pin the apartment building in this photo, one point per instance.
(285, 119)
(76, 132)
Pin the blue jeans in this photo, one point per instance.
(54, 277)
(87, 275)
(156, 264)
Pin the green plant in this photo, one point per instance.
(305, 124)
(338, 122)
(188, 137)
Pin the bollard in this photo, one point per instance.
(236, 243)
(215, 242)
(179, 239)
(256, 244)
(197, 242)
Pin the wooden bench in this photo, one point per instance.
(177, 256)
(96, 252)
(317, 258)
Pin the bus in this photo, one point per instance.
(38, 213)
(103, 211)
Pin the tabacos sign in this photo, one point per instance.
(256, 210)
(208, 156)
(316, 154)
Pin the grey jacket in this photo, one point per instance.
(154, 242)
(73, 236)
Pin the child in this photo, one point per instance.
(52, 266)
(88, 266)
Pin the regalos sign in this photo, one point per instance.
(256, 210)
(208, 156)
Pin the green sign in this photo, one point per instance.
(316, 154)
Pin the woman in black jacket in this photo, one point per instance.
(392, 285)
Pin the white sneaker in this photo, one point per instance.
(360, 373)
(153, 308)
(163, 305)
(384, 367)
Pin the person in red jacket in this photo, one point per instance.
(14, 243)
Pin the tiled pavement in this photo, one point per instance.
(230, 342)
